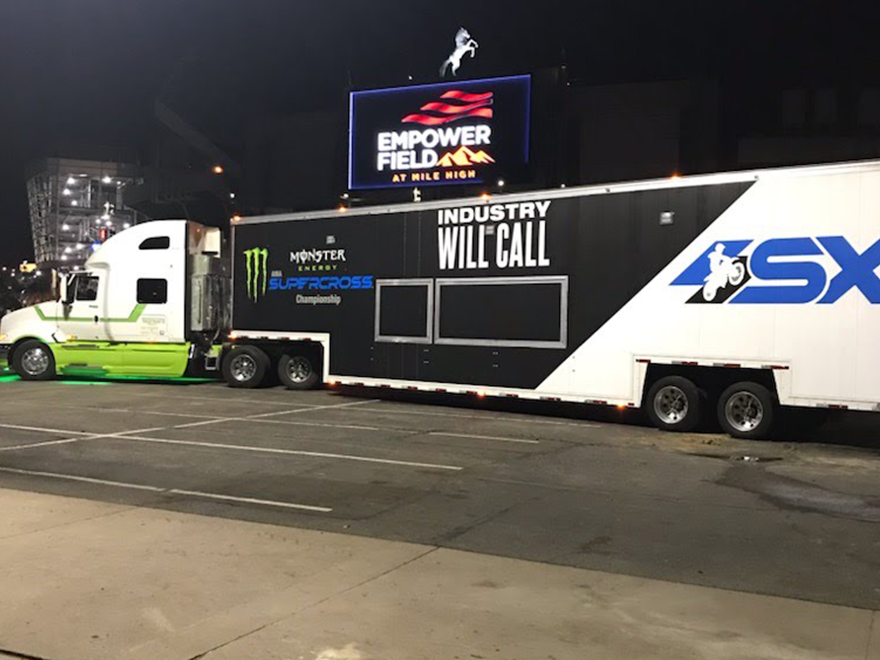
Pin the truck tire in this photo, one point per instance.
(33, 360)
(747, 410)
(297, 372)
(674, 403)
(245, 367)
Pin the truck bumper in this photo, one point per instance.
(4, 357)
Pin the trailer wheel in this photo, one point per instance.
(33, 360)
(746, 410)
(297, 372)
(674, 403)
(245, 366)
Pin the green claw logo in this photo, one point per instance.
(256, 261)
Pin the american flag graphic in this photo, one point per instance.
(453, 105)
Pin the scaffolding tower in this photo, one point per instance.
(76, 205)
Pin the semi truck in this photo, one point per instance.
(736, 296)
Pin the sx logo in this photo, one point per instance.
(724, 273)
(257, 264)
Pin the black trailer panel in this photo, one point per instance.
(495, 293)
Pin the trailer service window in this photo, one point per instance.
(504, 235)
(475, 311)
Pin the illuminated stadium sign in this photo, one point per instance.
(449, 133)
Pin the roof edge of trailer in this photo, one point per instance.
(573, 191)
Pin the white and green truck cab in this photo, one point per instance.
(151, 302)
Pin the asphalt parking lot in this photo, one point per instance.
(794, 519)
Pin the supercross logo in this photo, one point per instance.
(257, 265)
(783, 271)
(332, 283)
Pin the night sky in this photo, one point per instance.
(75, 72)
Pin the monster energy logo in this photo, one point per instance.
(257, 271)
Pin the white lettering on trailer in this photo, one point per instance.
(520, 236)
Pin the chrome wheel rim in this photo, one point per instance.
(671, 404)
(299, 370)
(243, 368)
(35, 361)
(744, 411)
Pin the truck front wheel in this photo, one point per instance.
(674, 404)
(245, 366)
(33, 360)
(297, 372)
(746, 410)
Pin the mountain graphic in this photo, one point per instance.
(464, 156)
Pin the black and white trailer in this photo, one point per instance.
(728, 294)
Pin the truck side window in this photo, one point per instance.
(156, 243)
(152, 292)
(86, 287)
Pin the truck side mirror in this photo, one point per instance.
(68, 290)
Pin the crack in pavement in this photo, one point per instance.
(204, 654)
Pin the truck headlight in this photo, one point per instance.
(3, 338)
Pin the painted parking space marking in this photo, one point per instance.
(484, 437)
(220, 420)
(236, 399)
(212, 419)
(42, 429)
(80, 436)
(75, 477)
(251, 500)
(31, 445)
(493, 418)
(167, 491)
(289, 452)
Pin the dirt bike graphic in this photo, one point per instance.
(723, 271)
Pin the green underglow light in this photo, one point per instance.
(164, 379)
(99, 378)
(84, 382)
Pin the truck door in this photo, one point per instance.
(83, 317)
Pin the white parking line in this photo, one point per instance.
(80, 436)
(230, 399)
(288, 452)
(221, 418)
(46, 444)
(350, 404)
(484, 437)
(491, 418)
(251, 500)
(88, 480)
(216, 419)
(174, 491)
(351, 427)
(41, 429)
(275, 414)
